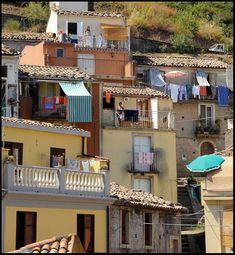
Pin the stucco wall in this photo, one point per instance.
(53, 222)
(33, 55)
(161, 232)
(118, 146)
(36, 144)
(188, 145)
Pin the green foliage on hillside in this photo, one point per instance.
(11, 25)
(188, 24)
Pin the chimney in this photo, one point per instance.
(90, 6)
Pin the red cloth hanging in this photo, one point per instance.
(203, 91)
(49, 104)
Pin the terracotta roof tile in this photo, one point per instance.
(90, 13)
(28, 36)
(143, 199)
(49, 126)
(9, 51)
(58, 244)
(134, 91)
(186, 61)
(52, 72)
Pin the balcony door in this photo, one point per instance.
(141, 144)
(86, 62)
(207, 115)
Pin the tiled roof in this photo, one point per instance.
(197, 62)
(91, 13)
(52, 72)
(28, 36)
(43, 126)
(9, 51)
(59, 244)
(134, 91)
(130, 197)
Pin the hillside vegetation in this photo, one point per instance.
(186, 25)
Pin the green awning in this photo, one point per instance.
(79, 102)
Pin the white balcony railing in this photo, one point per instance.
(55, 180)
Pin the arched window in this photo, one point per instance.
(207, 148)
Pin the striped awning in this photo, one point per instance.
(79, 102)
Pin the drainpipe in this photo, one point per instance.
(107, 227)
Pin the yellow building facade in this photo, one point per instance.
(33, 188)
(217, 199)
(153, 133)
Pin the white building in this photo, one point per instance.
(9, 85)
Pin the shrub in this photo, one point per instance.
(183, 43)
(11, 25)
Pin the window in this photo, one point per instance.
(207, 148)
(57, 157)
(60, 52)
(143, 184)
(25, 228)
(72, 28)
(4, 71)
(206, 114)
(16, 149)
(148, 232)
(125, 221)
(86, 230)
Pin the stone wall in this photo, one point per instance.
(162, 233)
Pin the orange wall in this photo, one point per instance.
(32, 55)
(107, 62)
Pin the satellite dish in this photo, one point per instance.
(217, 48)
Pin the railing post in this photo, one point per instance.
(61, 172)
(9, 175)
(106, 182)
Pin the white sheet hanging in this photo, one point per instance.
(156, 78)
(202, 78)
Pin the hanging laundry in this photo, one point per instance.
(203, 91)
(96, 166)
(196, 91)
(73, 164)
(141, 157)
(183, 93)
(174, 92)
(156, 78)
(167, 90)
(149, 158)
(189, 89)
(202, 78)
(107, 97)
(85, 165)
(48, 104)
(209, 91)
(223, 95)
(57, 100)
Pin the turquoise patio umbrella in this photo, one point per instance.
(205, 163)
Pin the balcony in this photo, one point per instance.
(96, 42)
(55, 180)
(53, 107)
(163, 120)
(147, 163)
(205, 128)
